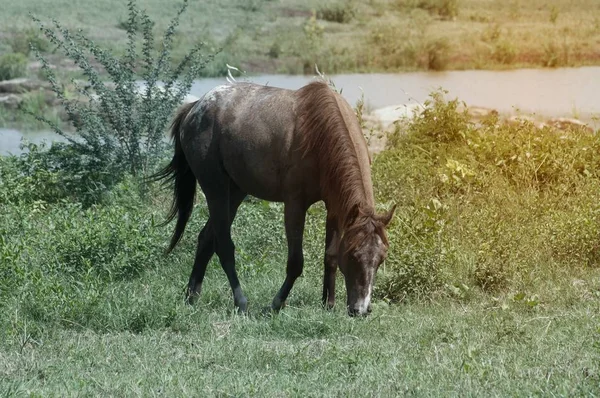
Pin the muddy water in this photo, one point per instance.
(570, 92)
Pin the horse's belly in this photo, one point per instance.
(257, 180)
(271, 170)
(255, 168)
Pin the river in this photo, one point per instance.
(569, 92)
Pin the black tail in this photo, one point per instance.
(178, 173)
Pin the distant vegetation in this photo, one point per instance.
(262, 36)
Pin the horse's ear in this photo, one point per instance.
(386, 217)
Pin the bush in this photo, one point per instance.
(12, 65)
(492, 206)
(440, 121)
(436, 54)
(119, 129)
(445, 9)
(339, 11)
(22, 41)
(417, 264)
(504, 52)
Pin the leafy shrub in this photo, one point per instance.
(445, 9)
(440, 120)
(339, 11)
(119, 129)
(61, 172)
(504, 52)
(436, 54)
(22, 41)
(417, 264)
(491, 206)
(12, 65)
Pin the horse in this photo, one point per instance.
(292, 146)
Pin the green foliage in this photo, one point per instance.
(55, 174)
(12, 65)
(444, 9)
(436, 52)
(415, 268)
(440, 121)
(504, 52)
(512, 202)
(338, 11)
(120, 127)
(22, 42)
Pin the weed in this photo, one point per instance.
(553, 14)
(12, 65)
(22, 41)
(445, 9)
(437, 54)
(339, 11)
(504, 52)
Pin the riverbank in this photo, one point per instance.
(544, 97)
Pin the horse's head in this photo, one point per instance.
(363, 248)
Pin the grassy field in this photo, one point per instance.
(491, 286)
(263, 36)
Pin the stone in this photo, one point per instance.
(20, 85)
(563, 123)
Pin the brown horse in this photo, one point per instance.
(295, 147)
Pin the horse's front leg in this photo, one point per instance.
(330, 263)
(295, 214)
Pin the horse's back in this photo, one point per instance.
(247, 131)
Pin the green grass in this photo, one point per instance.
(491, 286)
(422, 350)
(89, 333)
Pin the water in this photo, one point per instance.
(570, 92)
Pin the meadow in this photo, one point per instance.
(491, 286)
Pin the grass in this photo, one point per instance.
(379, 35)
(491, 286)
(89, 333)
(423, 350)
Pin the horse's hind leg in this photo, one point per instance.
(204, 251)
(222, 205)
(294, 230)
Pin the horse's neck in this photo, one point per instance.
(362, 154)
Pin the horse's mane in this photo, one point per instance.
(325, 133)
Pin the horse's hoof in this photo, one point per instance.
(242, 306)
(277, 305)
(191, 297)
(268, 311)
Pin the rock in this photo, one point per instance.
(478, 113)
(517, 120)
(10, 101)
(390, 114)
(20, 85)
(563, 123)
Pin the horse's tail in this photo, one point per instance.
(178, 173)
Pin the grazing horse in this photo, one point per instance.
(295, 147)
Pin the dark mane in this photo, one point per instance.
(325, 133)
